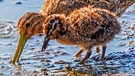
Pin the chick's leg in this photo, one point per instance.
(103, 52)
(86, 56)
(78, 54)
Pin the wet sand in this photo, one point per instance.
(59, 59)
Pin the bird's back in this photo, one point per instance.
(85, 20)
(91, 26)
(67, 6)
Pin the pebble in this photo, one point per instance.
(32, 48)
(2, 67)
(77, 60)
(126, 36)
(18, 3)
(122, 44)
(1, 74)
(67, 67)
(47, 60)
(17, 73)
(63, 53)
(48, 53)
(61, 62)
(132, 28)
(131, 42)
(43, 69)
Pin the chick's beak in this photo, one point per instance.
(19, 49)
(46, 40)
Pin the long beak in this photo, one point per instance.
(19, 49)
(46, 40)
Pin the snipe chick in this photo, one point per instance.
(85, 27)
(67, 6)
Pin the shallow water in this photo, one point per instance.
(120, 54)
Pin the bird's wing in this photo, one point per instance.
(85, 19)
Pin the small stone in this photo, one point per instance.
(43, 69)
(67, 67)
(131, 42)
(126, 36)
(17, 73)
(63, 53)
(47, 53)
(1, 74)
(2, 66)
(77, 60)
(57, 52)
(132, 28)
(61, 62)
(47, 60)
(122, 44)
(18, 3)
(32, 48)
(42, 60)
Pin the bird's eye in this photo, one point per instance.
(50, 27)
(28, 24)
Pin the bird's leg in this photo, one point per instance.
(103, 52)
(97, 49)
(86, 56)
(78, 54)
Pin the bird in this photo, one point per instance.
(31, 22)
(85, 27)
(117, 6)
(28, 25)
(66, 6)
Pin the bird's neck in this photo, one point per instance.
(39, 26)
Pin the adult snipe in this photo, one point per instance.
(29, 23)
(85, 27)
(66, 6)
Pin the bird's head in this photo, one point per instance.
(54, 27)
(28, 25)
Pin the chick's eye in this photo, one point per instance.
(49, 27)
(28, 24)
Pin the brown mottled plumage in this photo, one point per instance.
(59, 6)
(66, 6)
(85, 27)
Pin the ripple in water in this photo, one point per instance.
(8, 29)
